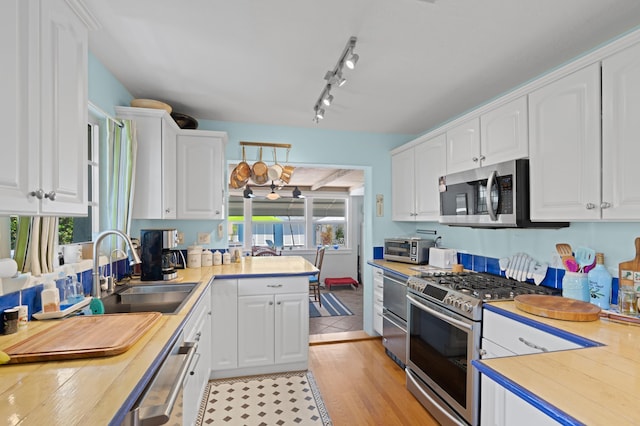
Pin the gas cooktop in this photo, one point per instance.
(464, 292)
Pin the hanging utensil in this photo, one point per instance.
(287, 170)
(259, 172)
(243, 169)
(566, 253)
(275, 171)
(585, 257)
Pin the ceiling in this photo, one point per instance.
(421, 63)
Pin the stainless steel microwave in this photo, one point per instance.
(495, 196)
(408, 250)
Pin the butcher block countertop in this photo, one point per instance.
(99, 391)
(596, 386)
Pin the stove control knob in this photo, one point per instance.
(448, 300)
(458, 303)
(467, 307)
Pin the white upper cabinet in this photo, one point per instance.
(564, 128)
(200, 170)
(620, 135)
(497, 136)
(463, 147)
(414, 180)
(155, 172)
(44, 113)
(504, 133)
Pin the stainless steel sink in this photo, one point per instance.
(165, 298)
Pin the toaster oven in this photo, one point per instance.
(408, 250)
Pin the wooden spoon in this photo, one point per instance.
(565, 251)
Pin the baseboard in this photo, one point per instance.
(345, 336)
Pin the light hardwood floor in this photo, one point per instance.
(361, 385)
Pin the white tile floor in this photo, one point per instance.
(353, 299)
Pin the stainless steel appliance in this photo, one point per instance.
(408, 250)
(158, 257)
(495, 196)
(394, 317)
(159, 402)
(444, 331)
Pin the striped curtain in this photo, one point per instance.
(122, 149)
(36, 244)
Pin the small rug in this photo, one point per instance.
(331, 307)
(272, 399)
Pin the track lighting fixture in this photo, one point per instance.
(297, 193)
(248, 192)
(352, 61)
(335, 78)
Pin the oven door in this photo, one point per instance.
(441, 345)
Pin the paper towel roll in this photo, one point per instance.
(8, 268)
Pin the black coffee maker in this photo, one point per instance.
(158, 257)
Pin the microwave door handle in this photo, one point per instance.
(490, 182)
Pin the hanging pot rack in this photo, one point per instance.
(285, 172)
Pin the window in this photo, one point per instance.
(288, 222)
(81, 229)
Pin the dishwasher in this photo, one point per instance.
(159, 401)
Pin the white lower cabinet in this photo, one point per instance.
(500, 407)
(198, 330)
(378, 299)
(266, 330)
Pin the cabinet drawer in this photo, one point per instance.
(272, 285)
(521, 338)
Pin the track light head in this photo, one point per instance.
(327, 99)
(248, 193)
(352, 61)
(319, 113)
(273, 195)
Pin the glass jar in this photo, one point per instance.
(627, 300)
(575, 285)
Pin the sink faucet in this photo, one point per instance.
(96, 256)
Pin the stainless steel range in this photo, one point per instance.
(444, 332)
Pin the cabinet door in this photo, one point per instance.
(19, 144)
(564, 149)
(430, 164)
(621, 127)
(63, 109)
(224, 324)
(463, 147)
(200, 176)
(255, 330)
(291, 327)
(501, 407)
(403, 186)
(168, 208)
(504, 133)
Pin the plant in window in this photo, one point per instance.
(339, 235)
(327, 235)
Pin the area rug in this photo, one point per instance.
(272, 399)
(331, 307)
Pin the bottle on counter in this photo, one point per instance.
(600, 283)
(217, 258)
(50, 297)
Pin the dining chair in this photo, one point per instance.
(264, 251)
(314, 280)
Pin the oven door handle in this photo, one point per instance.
(160, 414)
(490, 210)
(443, 317)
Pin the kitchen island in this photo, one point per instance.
(100, 391)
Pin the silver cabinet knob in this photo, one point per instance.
(39, 194)
(605, 205)
(50, 195)
(270, 303)
(482, 158)
(590, 206)
(167, 210)
(475, 159)
(279, 303)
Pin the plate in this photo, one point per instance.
(150, 103)
(184, 121)
(63, 312)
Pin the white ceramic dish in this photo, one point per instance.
(62, 313)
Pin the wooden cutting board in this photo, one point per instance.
(629, 272)
(84, 337)
(557, 307)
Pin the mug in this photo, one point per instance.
(10, 320)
